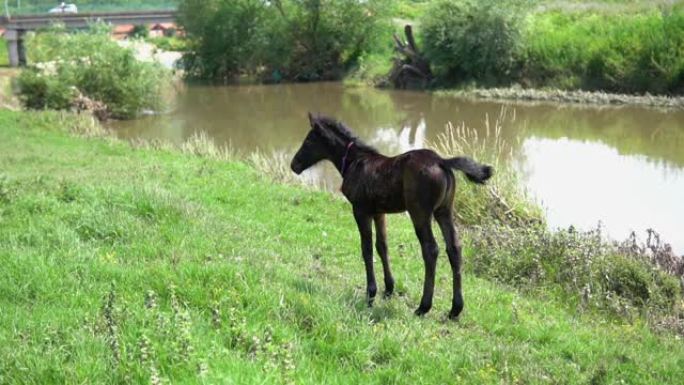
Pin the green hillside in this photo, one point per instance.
(124, 265)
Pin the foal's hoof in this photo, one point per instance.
(389, 288)
(454, 313)
(421, 311)
(370, 295)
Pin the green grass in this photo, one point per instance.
(410, 9)
(636, 52)
(141, 265)
(4, 54)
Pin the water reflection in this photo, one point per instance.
(396, 142)
(634, 178)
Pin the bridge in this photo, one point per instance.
(16, 26)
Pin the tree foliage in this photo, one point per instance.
(297, 40)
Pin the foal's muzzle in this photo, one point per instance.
(296, 166)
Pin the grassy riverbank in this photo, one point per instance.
(618, 46)
(124, 264)
(566, 97)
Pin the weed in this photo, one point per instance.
(585, 265)
(111, 330)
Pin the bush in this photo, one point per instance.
(293, 39)
(473, 40)
(65, 65)
(39, 91)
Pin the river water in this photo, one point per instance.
(621, 166)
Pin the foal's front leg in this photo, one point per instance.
(363, 221)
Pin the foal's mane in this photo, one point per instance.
(338, 130)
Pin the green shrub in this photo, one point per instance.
(63, 65)
(627, 279)
(473, 40)
(293, 39)
(40, 91)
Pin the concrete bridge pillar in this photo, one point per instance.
(15, 46)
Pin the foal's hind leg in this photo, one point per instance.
(444, 217)
(381, 247)
(363, 221)
(423, 226)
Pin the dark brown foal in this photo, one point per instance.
(420, 182)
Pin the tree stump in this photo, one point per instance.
(411, 69)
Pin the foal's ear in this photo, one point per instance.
(311, 119)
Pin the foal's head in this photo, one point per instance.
(320, 143)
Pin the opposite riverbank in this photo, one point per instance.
(152, 265)
(596, 98)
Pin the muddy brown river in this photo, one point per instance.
(621, 166)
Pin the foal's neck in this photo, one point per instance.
(347, 152)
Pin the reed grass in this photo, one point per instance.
(503, 199)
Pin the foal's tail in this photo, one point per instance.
(474, 171)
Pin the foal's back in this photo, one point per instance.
(427, 183)
(382, 184)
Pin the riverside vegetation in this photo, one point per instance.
(613, 46)
(88, 70)
(143, 263)
(279, 40)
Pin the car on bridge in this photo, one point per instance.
(64, 8)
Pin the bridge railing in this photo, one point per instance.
(35, 7)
